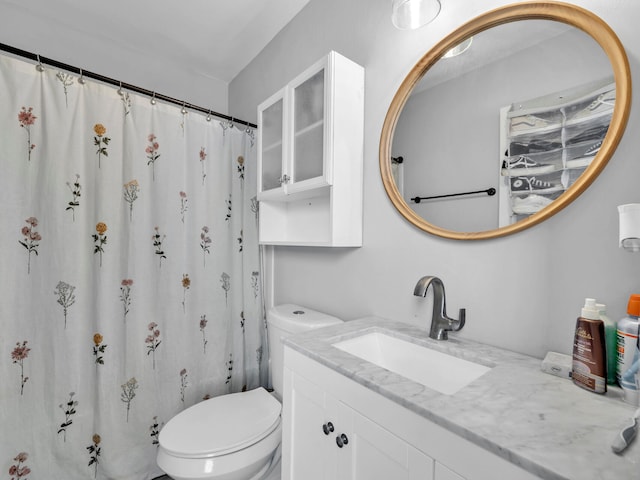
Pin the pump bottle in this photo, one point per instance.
(589, 369)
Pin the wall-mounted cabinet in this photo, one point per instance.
(310, 155)
(548, 143)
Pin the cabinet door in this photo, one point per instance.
(312, 452)
(270, 144)
(377, 454)
(443, 473)
(308, 113)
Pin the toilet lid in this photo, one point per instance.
(222, 424)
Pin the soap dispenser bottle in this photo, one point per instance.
(589, 369)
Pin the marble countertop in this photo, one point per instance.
(545, 424)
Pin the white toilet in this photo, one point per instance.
(236, 436)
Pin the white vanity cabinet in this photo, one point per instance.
(330, 441)
(310, 155)
(383, 439)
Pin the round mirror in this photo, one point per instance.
(505, 121)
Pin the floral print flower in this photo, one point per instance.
(69, 409)
(100, 239)
(94, 453)
(98, 349)
(225, 279)
(255, 285)
(152, 153)
(240, 161)
(229, 364)
(255, 207)
(125, 295)
(153, 341)
(20, 469)
(183, 205)
(128, 393)
(131, 190)
(26, 118)
(66, 298)
(19, 355)
(157, 243)
(205, 244)
(125, 97)
(31, 239)
(228, 202)
(183, 384)
(203, 157)
(101, 141)
(186, 283)
(203, 325)
(75, 189)
(252, 136)
(67, 80)
(155, 431)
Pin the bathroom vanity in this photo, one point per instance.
(345, 417)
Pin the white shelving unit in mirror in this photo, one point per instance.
(547, 143)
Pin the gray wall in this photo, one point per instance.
(80, 46)
(522, 292)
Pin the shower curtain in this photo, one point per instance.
(130, 280)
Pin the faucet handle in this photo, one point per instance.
(462, 316)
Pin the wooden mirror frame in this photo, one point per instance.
(556, 11)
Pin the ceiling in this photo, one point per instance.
(214, 38)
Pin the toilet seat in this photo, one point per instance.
(221, 425)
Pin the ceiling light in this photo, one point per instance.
(411, 14)
(459, 49)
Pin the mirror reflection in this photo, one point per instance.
(516, 118)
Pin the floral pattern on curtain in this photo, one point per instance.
(131, 286)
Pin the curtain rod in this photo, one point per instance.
(96, 76)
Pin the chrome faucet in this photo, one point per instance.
(440, 323)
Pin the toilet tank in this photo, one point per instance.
(284, 321)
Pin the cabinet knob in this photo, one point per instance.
(342, 440)
(327, 428)
(285, 179)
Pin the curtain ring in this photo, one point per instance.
(153, 99)
(119, 91)
(81, 79)
(39, 66)
(184, 108)
(209, 116)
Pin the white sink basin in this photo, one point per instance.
(433, 369)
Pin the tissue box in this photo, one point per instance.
(557, 364)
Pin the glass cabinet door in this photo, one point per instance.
(271, 149)
(308, 128)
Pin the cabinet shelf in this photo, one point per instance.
(309, 129)
(273, 146)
